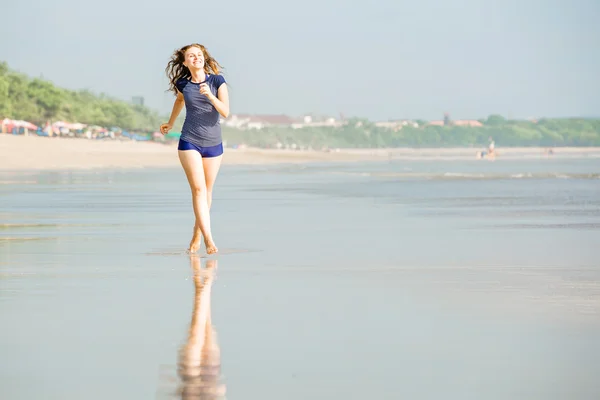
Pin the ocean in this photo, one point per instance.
(430, 279)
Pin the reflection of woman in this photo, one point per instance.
(200, 357)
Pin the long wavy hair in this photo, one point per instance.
(176, 70)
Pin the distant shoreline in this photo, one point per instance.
(19, 153)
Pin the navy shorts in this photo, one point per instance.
(206, 152)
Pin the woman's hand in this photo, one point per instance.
(205, 90)
(165, 128)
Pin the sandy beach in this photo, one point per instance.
(33, 153)
(327, 275)
(38, 153)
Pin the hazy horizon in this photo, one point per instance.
(382, 60)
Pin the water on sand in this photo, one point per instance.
(447, 279)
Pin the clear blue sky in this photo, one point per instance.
(377, 59)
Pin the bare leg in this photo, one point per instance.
(191, 161)
(211, 169)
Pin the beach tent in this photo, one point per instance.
(24, 124)
(97, 128)
(21, 126)
(77, 126)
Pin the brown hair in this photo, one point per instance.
(176, 70)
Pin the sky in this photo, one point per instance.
(378, 59)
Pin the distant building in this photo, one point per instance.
(396, 125)
(447, 119)
(435, 123)
(467, 122)
(461, 122)
(260, 121)
(309, 120)
(138, 100)
(247, 121)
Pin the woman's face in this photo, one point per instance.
(194, 58)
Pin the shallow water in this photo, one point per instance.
(432, 279)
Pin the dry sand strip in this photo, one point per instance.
(39, 153)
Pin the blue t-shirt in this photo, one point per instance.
(201, 126)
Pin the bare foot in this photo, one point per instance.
(195, 242)
(211, 248)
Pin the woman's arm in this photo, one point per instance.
(220, 101)
(177, 106)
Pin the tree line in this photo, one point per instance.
(364, 134)
(38, 101)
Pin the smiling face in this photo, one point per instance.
(193, 58)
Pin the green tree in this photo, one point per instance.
(37, 101)
(495, 120)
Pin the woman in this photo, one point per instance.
(194, 78)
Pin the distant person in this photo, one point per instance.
(194, 78)
(491, 152)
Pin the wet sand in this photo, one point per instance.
(41, 153)
(450, 289)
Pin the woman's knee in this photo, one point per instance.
(199, 190)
